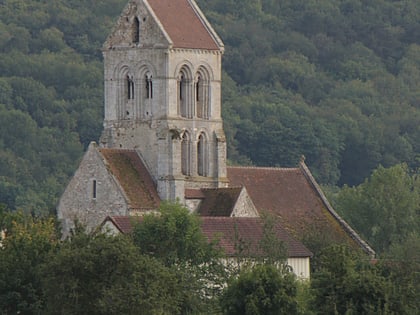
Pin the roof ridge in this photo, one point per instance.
(221, 188)
(117, 150)
(267, 168)
(353, 234)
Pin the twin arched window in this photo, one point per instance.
(193, 94)
(201, 151)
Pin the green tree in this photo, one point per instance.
(262, 289)
(346, 283)
(173, 236)
(23, 252)
(385, 207)
(100, 274)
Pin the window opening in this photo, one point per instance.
(136, 30)
(94, 189)
(201, 156)
(130, 88)
(149, 86)
(185, 155)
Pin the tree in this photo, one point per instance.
(100, 274)
(24, 250)
(385, 207)
(346, 283)
(173, 236)
(262, 289)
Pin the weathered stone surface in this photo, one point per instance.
(91, 195)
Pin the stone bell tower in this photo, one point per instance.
(162, 70)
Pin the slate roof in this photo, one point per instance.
(185, 27)
(293, 196)
(133, 177)
(219, 201)
(228, 231)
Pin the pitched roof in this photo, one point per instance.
(219, 201)
(185, 25)
(133, 177)
(228, 231)
(249, 232)
(290, 194)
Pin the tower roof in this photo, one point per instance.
(185, 24)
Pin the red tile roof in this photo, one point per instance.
(289, 194)
(248, 231)
(133, 177)
(184, 26)
(219, 201)
(228, 231)
(194, 194)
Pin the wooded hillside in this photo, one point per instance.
(335, 80)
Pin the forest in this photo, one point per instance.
(337, 81)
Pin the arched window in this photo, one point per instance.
(202, 96)
(130, 87)
(148, 86)
(185, 154)
(202, 155)
(136, 30)
(185, 92)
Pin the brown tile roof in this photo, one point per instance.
(249, 231)
(123, 223)
(184, 26)
(219, 201)
(228, 231)
(133, 177)
(194, 194)
(289, 194)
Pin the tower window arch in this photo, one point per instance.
(185, 154)
(185, 92)
(202, 94)
(136, 30)
(130, 87)
(202, 155)
(148, 85)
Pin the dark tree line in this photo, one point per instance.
(167, 267)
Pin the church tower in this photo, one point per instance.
(162, 72)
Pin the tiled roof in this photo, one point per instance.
(219, 201)
(249, 231)
(184, 26)
(123, 223)
(194, 194)
(289, 194)
(228, 231)
(133, 177)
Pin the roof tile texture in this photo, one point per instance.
(183, 25)
(228, 231)
(286, 193)
(133, 177)
(249, 231)
(219, 201)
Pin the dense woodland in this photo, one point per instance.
(337, 81)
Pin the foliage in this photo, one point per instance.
(347, 284)
(385, 208)
(263, 289)
(173, 236)
(301, 78)
(25, 248)
(99, 274)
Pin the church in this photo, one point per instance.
(163, 137)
